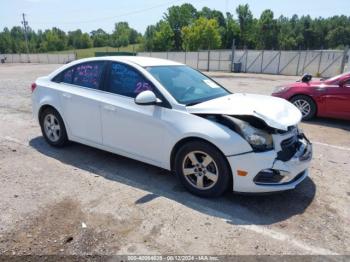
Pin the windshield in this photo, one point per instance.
(336, 77)
(186, 85)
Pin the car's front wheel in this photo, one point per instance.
(53, 128)
(202, 169)
(306, 106)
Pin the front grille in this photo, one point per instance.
(289, 147)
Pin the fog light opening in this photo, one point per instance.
(270, 176)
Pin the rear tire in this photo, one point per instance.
(52, 127)
(202, 169)
(306, 105)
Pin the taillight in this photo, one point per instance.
(33, 87)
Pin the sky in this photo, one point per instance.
(89, 15)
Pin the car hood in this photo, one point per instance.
(308, 84)
(275, 112)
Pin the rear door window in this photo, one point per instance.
(127, 81)
(67, 76)
(87, 74)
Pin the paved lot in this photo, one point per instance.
(79, 200)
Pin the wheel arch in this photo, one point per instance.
(185, 140)
(309, 96)
(45, 106)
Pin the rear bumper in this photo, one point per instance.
(293, 171)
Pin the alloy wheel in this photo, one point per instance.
(200, 170)
(52, 128)
(303, 106)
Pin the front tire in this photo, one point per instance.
(52, 127)
(306, 105)
(202, 169)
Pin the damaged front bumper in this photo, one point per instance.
(280, 169)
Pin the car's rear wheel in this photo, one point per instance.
(306, 106)
(53, 128)
(202, 169)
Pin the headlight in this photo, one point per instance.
(281, 89)
(258, 139)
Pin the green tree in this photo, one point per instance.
(202, 34)
(232, 31)
(286, 37)
(121, 34)
(99, 38)
(339, 37)
(179, 29)
(5, 41)
(134, 37)
(86, 41)
(268, 34)
(213, 14)
(148, 39)
(219, 17)
(178, 17)
(245, 18)
(163, 37)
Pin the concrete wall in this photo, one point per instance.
(323, 63)
(39, 58)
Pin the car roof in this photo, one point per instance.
(139, 60)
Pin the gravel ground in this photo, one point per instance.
(80, 200)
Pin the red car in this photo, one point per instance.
(326, 97)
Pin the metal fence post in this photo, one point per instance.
(246, 59)
(208, 60)
(197, 59)
(305, 59)
(279, 62)
(297, 72)
(345, 57)
(262, 61)
(319, 63)
(233, 54)
(185, 57)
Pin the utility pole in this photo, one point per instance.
(25, 25)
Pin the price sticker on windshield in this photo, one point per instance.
(211, 83)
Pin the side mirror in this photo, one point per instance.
(306, 78)
(147, 98)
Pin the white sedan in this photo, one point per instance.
(172, 116)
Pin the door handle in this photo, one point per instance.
(109, 108)
(66, 95)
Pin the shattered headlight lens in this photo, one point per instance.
(258, 139)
